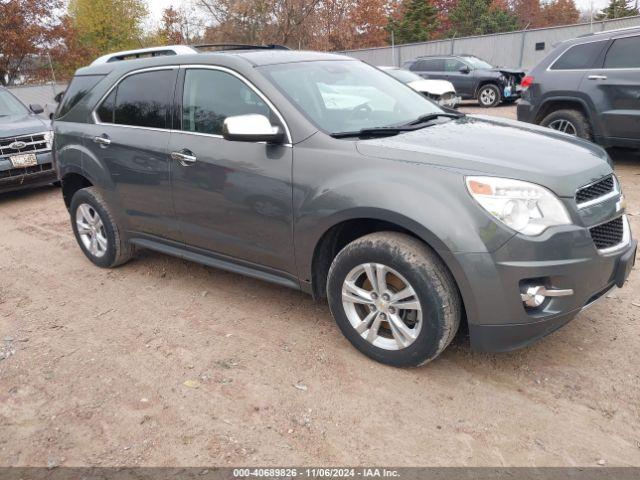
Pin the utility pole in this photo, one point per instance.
(393, 49)
(53, 75)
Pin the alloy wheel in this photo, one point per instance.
(564, 126)
(488, 96)
(382, 306)
(91, 230)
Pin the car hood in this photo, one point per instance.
(434, 87)
(13, 126)
(495, 147)
(513, 71)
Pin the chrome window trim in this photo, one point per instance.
(97, 121)
(608, 196)
(626, 236)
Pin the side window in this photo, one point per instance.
(624, 53)
(210, 96)
(107, 108)
(430, 65)
(144, 99)
(78, 88)
(452, 65)
(579, 57)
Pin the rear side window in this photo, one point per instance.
(579, 57)
(76, 91)
(429, 65)
(210, 96)
(624, 53)
(140, 100)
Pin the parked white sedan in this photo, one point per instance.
(441, 91)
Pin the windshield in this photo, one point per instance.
(10, 105)
(403, 75)
(346, 96)
(475, 62)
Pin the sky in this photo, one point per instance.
(156, 6)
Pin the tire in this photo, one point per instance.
(406, 260)
(90, 203)
(489, 95)
(570, 121)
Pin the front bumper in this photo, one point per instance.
(565, 258)
(18, 178)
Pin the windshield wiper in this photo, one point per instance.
(432, 116)
(373, 132)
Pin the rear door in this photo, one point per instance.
(615, 89)
(130, 137)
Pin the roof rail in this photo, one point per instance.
(240, 46)
(608, 32)
(145, 53)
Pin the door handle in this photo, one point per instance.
(185, 157)
(597, 77)
(102, 140)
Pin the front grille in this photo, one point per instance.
(608, 234)
(595, 190)
(16, 172)
(33, 143)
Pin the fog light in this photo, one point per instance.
(535, 295)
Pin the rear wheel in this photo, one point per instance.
(569, 121)
(489, 95)
(394, 299)
(96, 230)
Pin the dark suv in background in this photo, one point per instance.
(589, 87)
(473, 78)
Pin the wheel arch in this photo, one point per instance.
(73, 181)
(345, 228)
(552, 104)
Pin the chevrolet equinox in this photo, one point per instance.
(321, 173)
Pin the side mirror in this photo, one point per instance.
(35, 108)
(58, 97)
(251, 128)
(465, 69)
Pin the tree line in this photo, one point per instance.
(40, 36)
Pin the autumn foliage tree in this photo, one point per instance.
(28, 30)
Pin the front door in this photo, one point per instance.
(130, 138)
(615, 89)
(231, 198)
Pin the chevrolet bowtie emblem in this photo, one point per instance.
(17, 145)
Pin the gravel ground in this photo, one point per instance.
(167, 363)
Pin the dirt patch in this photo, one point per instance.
(168, 363)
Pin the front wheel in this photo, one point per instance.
(394, 299)
(489, 96)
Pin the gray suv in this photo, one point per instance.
(321, 173)
(589, 87)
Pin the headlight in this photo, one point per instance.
(48, 138)
(525, 207)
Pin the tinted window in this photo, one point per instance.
(624, 53)
(453, 65)
(107, 108)
(429, 65)
(144, 99)
(579, 57)
(76, 91)
(210, 96)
